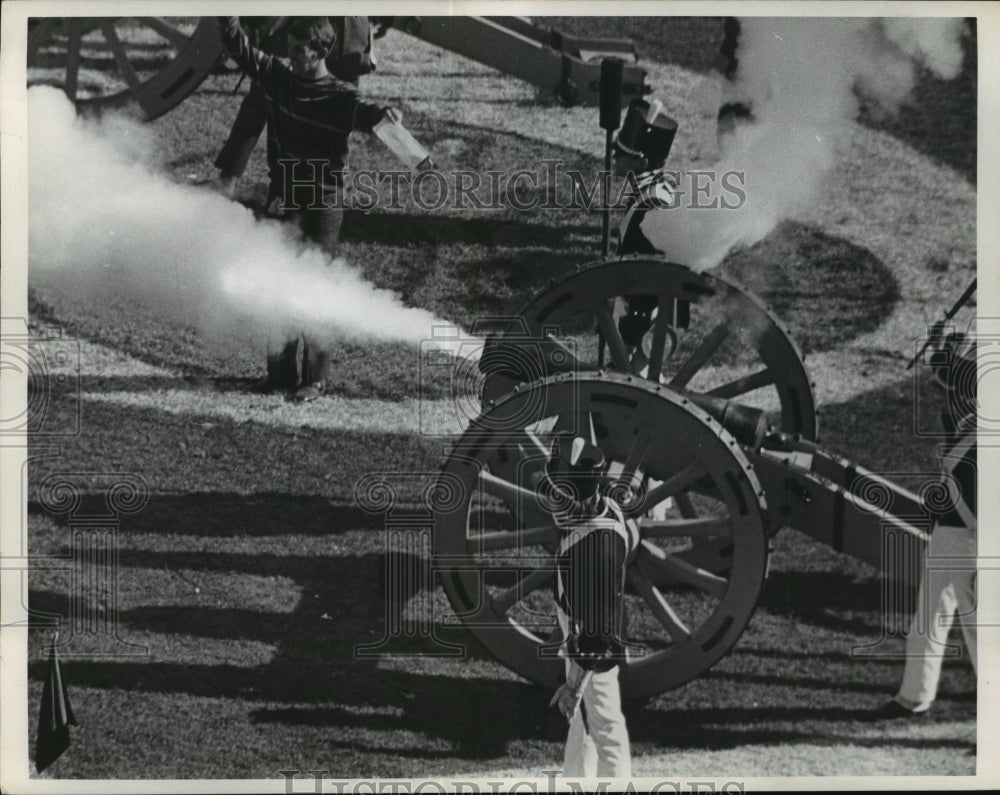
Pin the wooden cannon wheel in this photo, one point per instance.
(706, 334)
(495, 537)
(149, 64)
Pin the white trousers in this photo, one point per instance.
(943, 593)
(599, 747)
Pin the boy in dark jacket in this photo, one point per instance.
(350, 57)
(311, 114)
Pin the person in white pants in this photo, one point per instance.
(944, 593)
(597, 744)
(947, 589)
(593, 553)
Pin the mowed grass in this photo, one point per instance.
(252, 577)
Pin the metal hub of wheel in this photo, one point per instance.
(494, 544)
(149, 63)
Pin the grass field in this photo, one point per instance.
(251, 574)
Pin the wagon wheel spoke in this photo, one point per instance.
(743, 385)
(686, 507)
(668, 488)
(536, 443)
(712, 584)
(174, 35)
(659, 341)
(709, 345)
(526, 584)
(612, 336)
(658, 605)
(73, 59)
(121, 57)
(524, 445)
(504, 490)
(635, 456)
(526, 504)
(511, 539)
(680, 528)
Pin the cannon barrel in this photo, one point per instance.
(748, 425)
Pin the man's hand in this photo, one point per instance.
(570, 694)
(395, 115)
(567, 698)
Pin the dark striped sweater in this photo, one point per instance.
(309, 120)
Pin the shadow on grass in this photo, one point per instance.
(905, 417)
(811, 656)
(814, 683)
(180, 455)
(388, 227)
(822, 598)
(317, 679)
(316, 661)
(229, 515)
(847, 292)
(447, 708)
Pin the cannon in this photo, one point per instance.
(702, 406)
(151, 64)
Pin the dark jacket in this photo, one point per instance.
(310, 119)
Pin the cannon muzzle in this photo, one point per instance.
(748, 425)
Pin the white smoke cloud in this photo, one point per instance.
(800, 77)
(105, 225)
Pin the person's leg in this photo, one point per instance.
(927, 638)
(580, 755)
(322, 226)
(965, 595)
(282, 367)
(925, 649)
(275, 203)
(606, 724)
(250, 121)
(315, 364)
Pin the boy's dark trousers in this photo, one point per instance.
(321, 225)
(282, 366)
(249, 124)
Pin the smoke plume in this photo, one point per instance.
(801, 78)
(105, 224)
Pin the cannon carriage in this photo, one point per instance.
(149, 65)
(701, 403)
